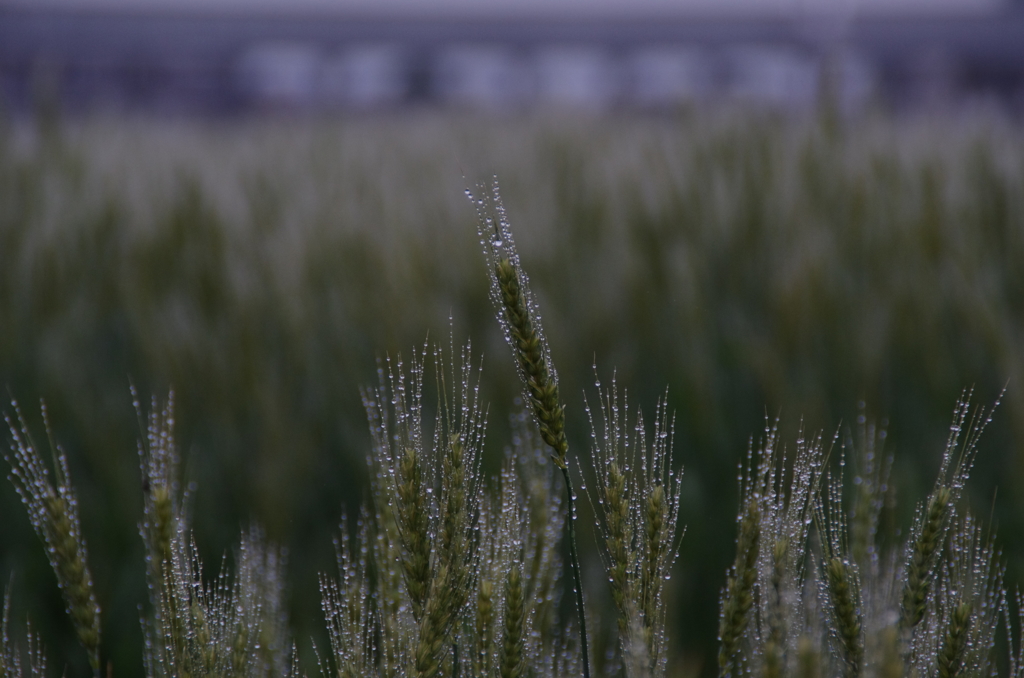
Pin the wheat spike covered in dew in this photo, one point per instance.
(458, 579)
(234, 624)
(519, 318)
(637, 494)
(53, 509)
(838, 599)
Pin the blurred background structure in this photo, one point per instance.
(226, 56)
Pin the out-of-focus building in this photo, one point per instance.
(230, 56)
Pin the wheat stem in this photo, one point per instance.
(574, 560)
(618, 542)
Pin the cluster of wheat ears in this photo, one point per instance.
(449, 573)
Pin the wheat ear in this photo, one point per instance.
(53, 510)
(619, 540)
(739, 591)
(954, 642)
(774, 650)
(414, 519)
(346, 605)
(922, 558)
(549, 413)
(159, 462)
(451, 578)
(517, 315)
(533, 363)
(484, 625)
(841, 583)
(162, 519)
(657, 524)
(512, 657)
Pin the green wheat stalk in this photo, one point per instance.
(640, 511)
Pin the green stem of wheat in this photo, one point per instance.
(574, 558)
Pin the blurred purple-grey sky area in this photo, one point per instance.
(535, 8)
(213, 57)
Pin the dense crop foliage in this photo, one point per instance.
(748, 263)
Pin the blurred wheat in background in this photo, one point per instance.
(753, 264)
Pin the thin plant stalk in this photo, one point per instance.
(574, 560)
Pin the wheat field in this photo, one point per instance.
(829, 274)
